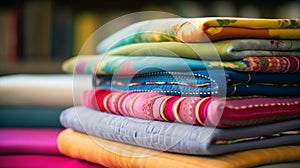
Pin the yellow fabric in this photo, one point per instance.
(220, 28)
(113, 154)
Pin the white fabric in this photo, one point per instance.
(42, 90)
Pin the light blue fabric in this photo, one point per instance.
(174, 137)
(130, 33)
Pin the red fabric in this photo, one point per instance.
(246, 111)
(168, 112)
(200, 110)
(100, 95)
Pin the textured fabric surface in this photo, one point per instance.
(29, 140)
(113, 154)
(202, 30)
(45, 161)
(124, 65)
(174, 137)
(219, 50)
(204, 83)
(47, 90)
(211, 111)
(25, 116)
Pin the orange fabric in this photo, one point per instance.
(113, 154)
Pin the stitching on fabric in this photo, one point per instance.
(239, 140)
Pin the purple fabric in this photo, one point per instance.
(44, 161)
(29, 140)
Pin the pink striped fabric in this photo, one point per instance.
(208, 111)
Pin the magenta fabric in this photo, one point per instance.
(209, 111)
(29, 140)
(43, 161)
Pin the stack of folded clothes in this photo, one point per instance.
(200, 92)
(30, 106)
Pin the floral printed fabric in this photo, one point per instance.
(218, 50)
(208, 111)
(124, 65)
(175, 137)
(202, 30)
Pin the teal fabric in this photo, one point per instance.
(12, 116)
(124, 65)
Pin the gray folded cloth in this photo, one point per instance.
(177, 137)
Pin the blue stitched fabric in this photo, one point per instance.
(204, 83)
(175, 137)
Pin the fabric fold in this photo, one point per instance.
(29, 141)
(219, 50)
(58, 88)
(204, 29)
(45, 161)
(176, 137)
(114, 154)
(204, 83)
(124, 65)
(209, 111)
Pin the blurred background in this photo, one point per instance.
(36, 36)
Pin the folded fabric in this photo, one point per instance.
(219, 50)
(204, 83)
(25, 116)
(209, 111)
(29, 141)
(113, 154)
(202, 30)
(177, 137)
(45, 161)
(44, 90)
(124, 65)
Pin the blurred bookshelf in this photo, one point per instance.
(36, 36)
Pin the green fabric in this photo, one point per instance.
(11, 116)
(124, 65)
(220, 50)
(205, 51)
